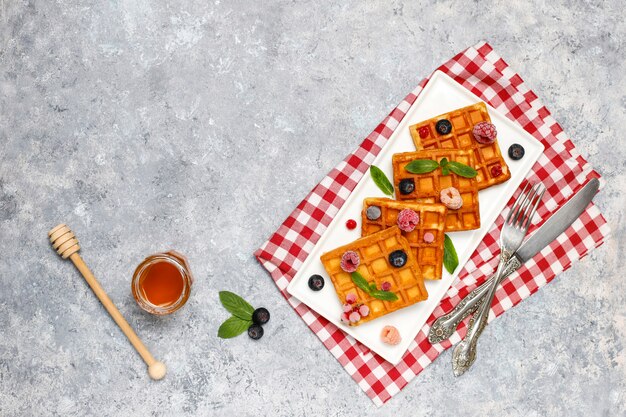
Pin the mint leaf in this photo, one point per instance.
(360, 282)
(445, 170)
(450, 258)
(443, 162)
(384, 295)
(232, 327)
(462, 170)
(381, 180)
(421, 166)
(236, 305)
(370, 289)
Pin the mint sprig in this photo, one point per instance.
(241, 317)
(370, 289)
(360, 282)
(450, 258)
(462, 170)
(384, 295)
(381, 180)
(236, 305)
(232, 327)
(445, 169)
(421, 166)
(424, 166)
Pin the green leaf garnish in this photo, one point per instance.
(462, 170)
(381, 180)
(424, 166)
(236, 305)
(360, 282)
(370, 289)
(450, 258)
(232, 327)
(421, 166)
(384, 295)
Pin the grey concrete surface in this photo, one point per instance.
(198, 125)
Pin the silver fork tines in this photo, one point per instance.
(524, 206)
(513, 232)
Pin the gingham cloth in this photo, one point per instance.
(561, 169)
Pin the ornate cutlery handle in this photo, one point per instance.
(446, 325)
(464, 353)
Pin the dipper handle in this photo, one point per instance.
(66, 245)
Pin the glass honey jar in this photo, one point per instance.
(161, 284)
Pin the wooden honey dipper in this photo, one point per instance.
(66, 245)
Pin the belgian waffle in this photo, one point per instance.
(432, 219)
(428, 186)
(406, 282)
(486, 156)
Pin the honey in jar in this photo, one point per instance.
(162, 283)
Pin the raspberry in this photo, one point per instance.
(351, 224)
(347, 308)
(424, 132)
(429, 237)
(385, 286)
(484, 132)
(390, 335)
(496, 170)
(350, 261)
(451, 198)
(408, 220)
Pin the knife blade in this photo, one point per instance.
(559, 222)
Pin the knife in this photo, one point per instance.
(446, 325)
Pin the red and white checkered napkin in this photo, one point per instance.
(561, 169)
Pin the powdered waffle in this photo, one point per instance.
(432, 219)
(406, 282)
(428, 186)
(463, 120)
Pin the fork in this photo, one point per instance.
(513, 232)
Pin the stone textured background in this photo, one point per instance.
(198, 126)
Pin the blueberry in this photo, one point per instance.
(373, 212)
(443, 127)
(407, 186)
(516, 151)
(260, 316)
(397, 258)
(316, 282)
(255, 331)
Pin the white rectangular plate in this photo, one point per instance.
(440, 95)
